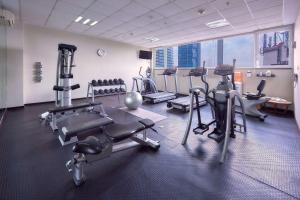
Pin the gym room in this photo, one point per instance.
(149, 99)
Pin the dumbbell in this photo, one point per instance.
(117, 90)
(105, 82)
(100, 91)
(96, 92)
(111, 90)
(122, 90)
(116, 82)
(106, 91)
(94, 83)
(100, 82)
(121, 81)
(110, 82)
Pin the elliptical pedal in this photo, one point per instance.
(216, 137)
(200, 130)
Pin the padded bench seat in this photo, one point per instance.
(117, 132)
(74, 107)
(66, 133)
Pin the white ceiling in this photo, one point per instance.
(172, 21)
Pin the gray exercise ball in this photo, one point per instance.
(133, 100)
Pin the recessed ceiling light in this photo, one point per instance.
(94, 23)
(86, 21)
(218, 23)
(78, 19)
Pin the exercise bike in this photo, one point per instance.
(222, 102)
(147, 84)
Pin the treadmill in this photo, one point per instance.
(158, 97)
(183, 103)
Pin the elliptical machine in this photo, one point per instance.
(147, 84)
(222, 102)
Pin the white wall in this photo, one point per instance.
(15, 66)
(40, 44)
(297, 69)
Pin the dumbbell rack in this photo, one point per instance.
(92, 87)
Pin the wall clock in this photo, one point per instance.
(101, 52)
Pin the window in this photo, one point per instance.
(241, 48)
(189, 55)
(269, 48)
(159, 58)
(209, 53)
(274, 48)
(172, 57)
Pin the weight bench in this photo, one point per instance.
(93, 149)
(56, 115)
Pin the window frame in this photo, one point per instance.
(256, 53)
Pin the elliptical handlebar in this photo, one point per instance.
(204, 81)
(140, 72)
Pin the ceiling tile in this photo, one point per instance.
(95, 30)
(111, 33)
(135, 9)
(263, 4)
(44, 3)
(93, 15)
(63, 7)
(269, 25)
(80, 3)
(229, 4)
(123, 16)
(104, 9)
(108, 23)
(125, 27)
(184, 4)
(236, 11)
(276, 10)
(59, 20)
(78, 27)
(146, 19)
(173, 21)
(168, 9)
(35, 14)
(152, 4)
(139, 31)
(240, 19)
(115, 3)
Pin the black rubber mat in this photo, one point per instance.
(262, 164)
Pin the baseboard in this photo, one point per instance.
(16, 107)
(45, 102)
(3, 116)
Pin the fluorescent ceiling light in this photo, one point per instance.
(86, 21)
(78, 19)
(218, 23)
(152, 39)
(94, 23)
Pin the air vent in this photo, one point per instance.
(7, 18)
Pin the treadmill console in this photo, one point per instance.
(169, 71)
(198, 72)
(224, 70)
